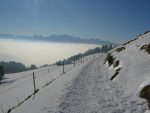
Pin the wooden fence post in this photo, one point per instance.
(81, 60)
(63, 68)
(74, 63)
(34, 83)
(49, 74)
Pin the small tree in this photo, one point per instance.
(1, 72)
(33, 67)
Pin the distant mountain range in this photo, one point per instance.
(56, 38)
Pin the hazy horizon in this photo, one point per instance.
(39, 53)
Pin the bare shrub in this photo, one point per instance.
(146, 32)
(116, 63)
(110, 59)
(120, 49)
(116, 73)
(145, 93)
(146, 47)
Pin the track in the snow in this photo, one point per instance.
(93, 92)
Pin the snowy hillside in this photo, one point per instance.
(129, 64)
(101, 84)
(17, 88)
(85, 88)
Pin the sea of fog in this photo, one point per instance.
(39, 53)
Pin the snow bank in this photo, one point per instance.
(134, 63)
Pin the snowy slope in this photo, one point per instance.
(16, 87)
(134, 64)
(47, 98)
(84, 89)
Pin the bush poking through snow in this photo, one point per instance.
(135, 38)
(146, 32)
(120, 49)
(145, 93)
(110, 59)
(143, 47)
(126, 43)
(146, 47)
(129, 41)
(116, 73)
(116, 63)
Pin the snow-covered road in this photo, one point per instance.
(93, 92)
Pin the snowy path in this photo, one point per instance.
(93, 92)
(84, 89)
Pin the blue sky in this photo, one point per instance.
(114, 20)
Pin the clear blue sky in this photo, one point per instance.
(114, 20)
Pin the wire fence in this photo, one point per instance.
(29, 82)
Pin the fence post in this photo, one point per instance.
(81, 60)
(74, 63)
(63, 68)
(49, 74)
(34, 83)
(84, 57)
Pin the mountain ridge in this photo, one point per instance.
(57, 38)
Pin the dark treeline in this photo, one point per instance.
(103, 49)
(1, 72)
(13, 67)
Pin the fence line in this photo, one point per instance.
(51, 71)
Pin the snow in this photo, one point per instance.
(135, 66)
(16, 87)
(47, 97)
(85, 88)
(91, 92)
(147, 111)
